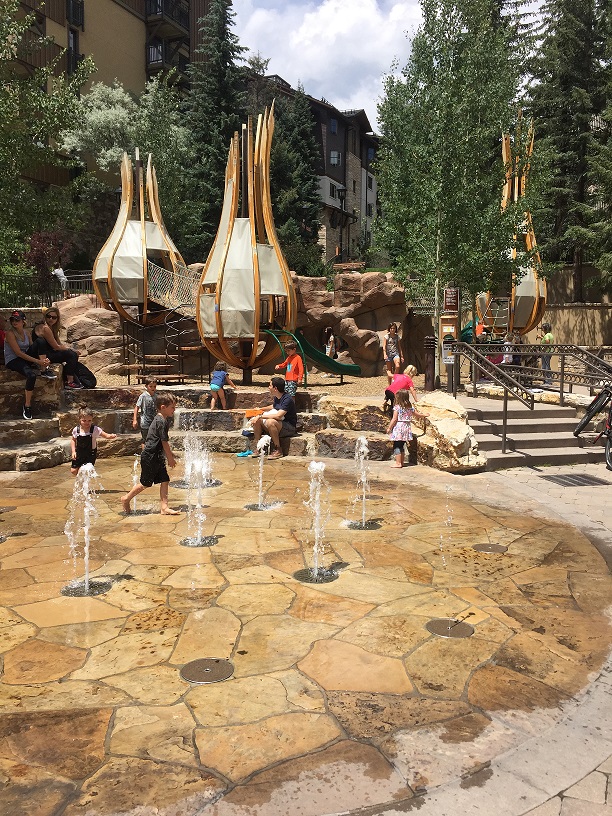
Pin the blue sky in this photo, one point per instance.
(337, 49)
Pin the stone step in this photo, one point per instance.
(525, 426)
(527, 441)
(540, 412)
(542, 457)
(36, 456)
(15, 432)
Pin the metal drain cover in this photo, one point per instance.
(207, 670)
(369, 525)
(575, 480)
(490, 548)
(320, 576)
(449, 628)
(97, 586)
(205, 541)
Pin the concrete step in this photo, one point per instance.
(35, 456)
(15, 432)
(527, 441)
(540, 412)
(532, 425)
(541, 457)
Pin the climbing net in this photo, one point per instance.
(173, 288)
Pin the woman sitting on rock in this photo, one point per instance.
(16, 345)
(47, 343)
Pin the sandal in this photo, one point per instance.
(276, 455)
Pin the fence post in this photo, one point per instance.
(429, 346)
(562, 379)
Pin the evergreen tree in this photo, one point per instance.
(567, 96)
(440, 170)
(294, 184)
(215, 109)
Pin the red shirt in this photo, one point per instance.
(294, 366)
(400, 381)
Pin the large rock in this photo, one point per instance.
(46, 400)
(43, 455)
(340, 444)
(354, 413)
(448, 443)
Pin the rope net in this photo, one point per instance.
(173, 289)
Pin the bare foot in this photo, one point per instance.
(126, 505)
(168, 511)
(396, 466)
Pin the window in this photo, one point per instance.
(333, 125)
(354, 187)
(370, 182)
(370, 211)
(75, 13)
(370, 154)
(73, 57)
(335, 158)
(333, 191)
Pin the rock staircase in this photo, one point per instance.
(535, 438)
(45, 442)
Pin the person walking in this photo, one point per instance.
(294, 367)
(147, 406)
(400, 426)
(17, 342)
(84, 440)
(392, 352)
(156, 454)
(547, 340)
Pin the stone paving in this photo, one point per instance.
(341, 701)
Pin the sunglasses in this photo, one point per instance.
(50, 317)
(16, 319)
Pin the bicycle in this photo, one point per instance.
(599, 403)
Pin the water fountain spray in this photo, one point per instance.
(82, 510)
(135, 478)
(318, 574)
(362, 463)
(198, 468)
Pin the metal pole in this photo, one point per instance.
(429, 346)
(505, 420)
(561, 379)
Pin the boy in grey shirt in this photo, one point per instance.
(147, 406)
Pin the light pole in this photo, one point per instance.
(341, 189)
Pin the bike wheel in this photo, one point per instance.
(598, 404)
(609, 453)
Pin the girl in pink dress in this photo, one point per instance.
(400, 429)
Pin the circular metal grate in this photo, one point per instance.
(359, 525)
(205, 541)
(320, 576)
(97, 586)
(207, 670)
(449, 628)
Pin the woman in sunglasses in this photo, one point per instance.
(16, 345)
(47, 343)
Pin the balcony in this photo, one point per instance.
(75, 13)
(72, 60)
(168, 17)
(163, 55)
(31, 54)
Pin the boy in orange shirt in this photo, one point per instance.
(294, 368)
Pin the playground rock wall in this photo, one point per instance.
(359, 309)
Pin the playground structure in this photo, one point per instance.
(246, 296)
(524, 308)
(139, 272)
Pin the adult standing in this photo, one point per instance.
(16, 344)
(400, 382)
(392, 352)
(547, 340)
(48, 343)
(330, 342)
(279, 420)
(59, 273)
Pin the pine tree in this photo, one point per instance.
(567, 97)
(215, 109)
(440, 170)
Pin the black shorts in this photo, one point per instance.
(144, 433)
(153, 470)
(87, 460)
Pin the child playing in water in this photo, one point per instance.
(148, 408)
(400, 429)
(152, 459)
(294, 368)
(220, 378)
(84, 441)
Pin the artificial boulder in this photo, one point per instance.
(353, 413)
(448, 442)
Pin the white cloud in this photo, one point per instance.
(337, 49)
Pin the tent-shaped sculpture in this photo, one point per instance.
(246, 288)
(126, 272)
(524, 308)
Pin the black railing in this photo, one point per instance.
(30, 291)
(72, 60)
(161, 54)
(176, 11)
(75, 13)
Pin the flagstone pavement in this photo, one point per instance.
(341, 701)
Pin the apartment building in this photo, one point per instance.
(129, 40)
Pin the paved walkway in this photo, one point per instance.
(566, 770)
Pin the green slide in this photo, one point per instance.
(322, 361)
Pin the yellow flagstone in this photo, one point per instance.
(67, 695)
(198, 576)
(251, 600)
(152, 685)
(170, 555)
(208, 632)
(126, 652)
(393, 635)
(83, 635)
(441, 667)
(37, 661)
(338, 666)
(311, 605)
(238, 751)
(238, 701)
(11, 636)
(154, 732)
(63, 610)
